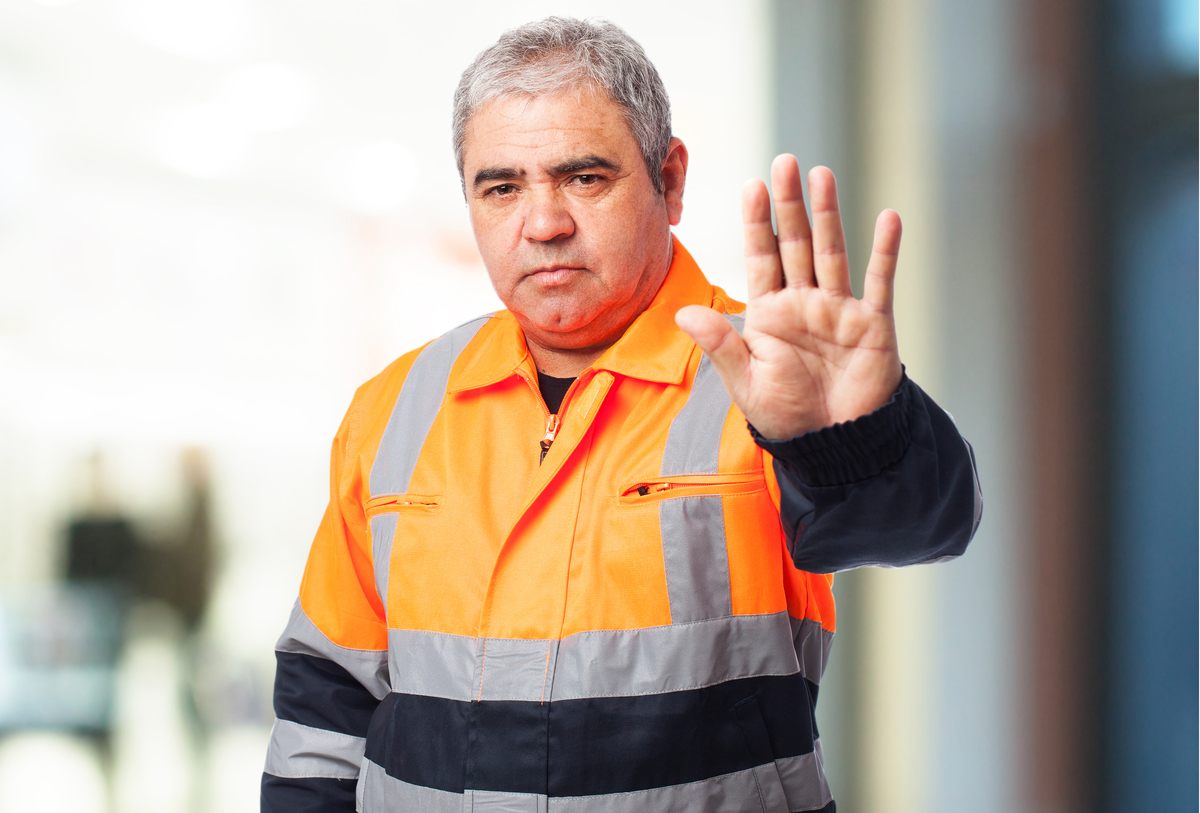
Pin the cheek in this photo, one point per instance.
(492, 225)
(500, 274)
(632, 217)
(497, 256)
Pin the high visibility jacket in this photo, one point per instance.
(636, 622)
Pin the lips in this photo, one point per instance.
(555, 274)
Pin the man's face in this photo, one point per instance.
(574, 236)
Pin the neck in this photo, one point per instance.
(563, 363)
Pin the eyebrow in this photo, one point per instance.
(573, 165)
(567, 167)
(496, 174)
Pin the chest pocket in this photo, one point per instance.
(691, 515)
(383, 514)
(692, 485)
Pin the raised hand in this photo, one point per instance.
(811, 355)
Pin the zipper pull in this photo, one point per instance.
(551, 434)
(549, 438)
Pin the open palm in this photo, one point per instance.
(811, 354)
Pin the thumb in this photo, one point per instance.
(716, 337)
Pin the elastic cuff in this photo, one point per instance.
(848, 452)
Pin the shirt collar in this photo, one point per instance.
(652, 348)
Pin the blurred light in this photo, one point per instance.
(375, 178)
(183, 408)
(208, 30)
(151, 748)
(267, 96)
(18, 151)
(51, 773)
(205, 140)
(1181, 32)
(235, 759)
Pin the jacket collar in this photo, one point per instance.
(652, 348)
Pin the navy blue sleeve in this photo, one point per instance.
(895, 487)
(322, 714)
(306, 794)
(325, 697)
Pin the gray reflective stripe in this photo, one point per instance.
(368, 666)
(770, 788)
(434, 664)
(383, 532)
(514, 668)
(378, 792)
(693, 529)
(695, 558)
(416, 408)
(813, 643)
(493, 801)
(299, 751)
(412, 417)
(749, 791)
(463, 668)
(675, 658)
(804, 781)
(603, 663)
(694, 440)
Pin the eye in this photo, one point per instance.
(502, 189)
(586, 180)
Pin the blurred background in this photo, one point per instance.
(218, 217)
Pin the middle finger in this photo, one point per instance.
(795, 234)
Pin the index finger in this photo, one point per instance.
(764, 273)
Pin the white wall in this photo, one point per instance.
(187, 261)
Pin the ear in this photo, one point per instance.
(674, 176)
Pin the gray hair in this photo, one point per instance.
(560, 53)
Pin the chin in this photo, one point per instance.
(559, 338)
(551, 318)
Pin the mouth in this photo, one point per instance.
(554, 274)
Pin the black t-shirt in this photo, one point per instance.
(553, 390)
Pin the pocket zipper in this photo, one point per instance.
(646, 489)
(694, 484)
(398, 502)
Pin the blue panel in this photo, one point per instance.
(1154, 672)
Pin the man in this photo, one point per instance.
(558, 571)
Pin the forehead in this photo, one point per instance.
(533, 131)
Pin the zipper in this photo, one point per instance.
(694, 485)
(548, 438)
(398, 502)
(552, 421)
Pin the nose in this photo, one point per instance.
(546, 218)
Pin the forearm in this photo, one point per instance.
(893, 488)
(325, 695)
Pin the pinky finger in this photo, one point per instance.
(879, 285)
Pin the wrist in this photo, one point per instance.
(849, 451)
